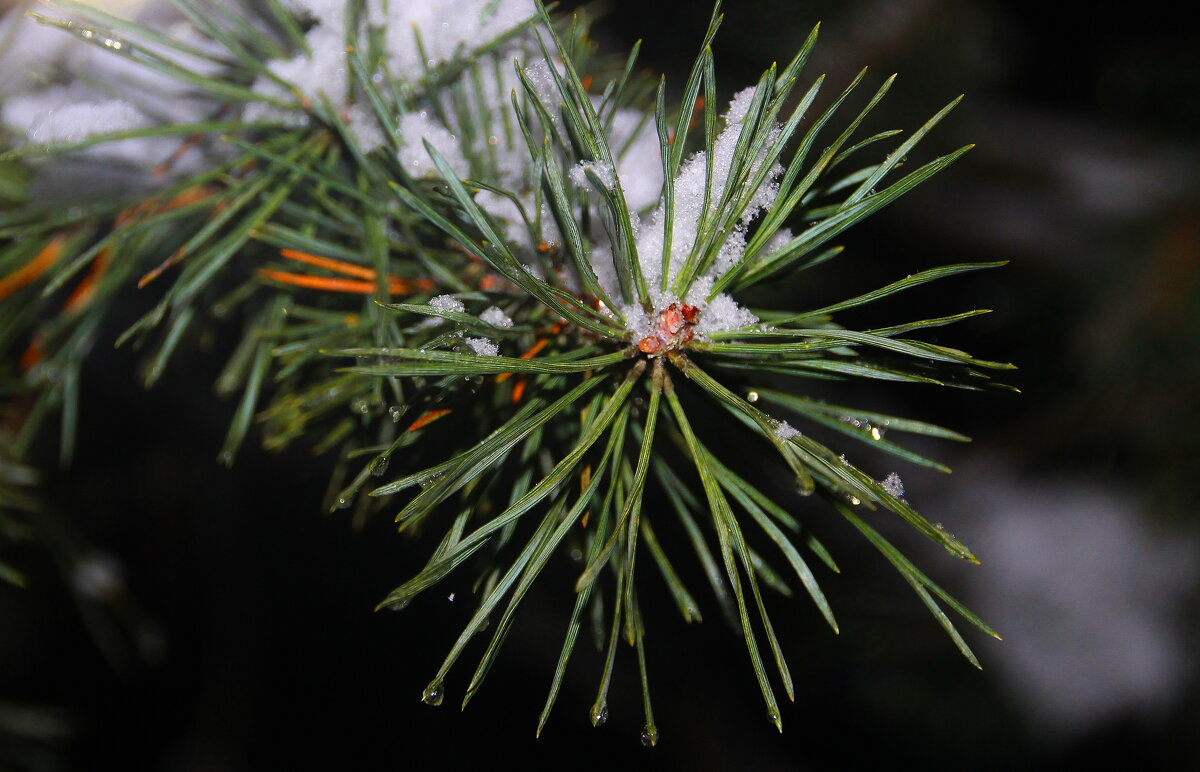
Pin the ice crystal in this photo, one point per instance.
(447, 303)
(785, 431)
(894, 485)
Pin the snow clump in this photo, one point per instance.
(494, 316)
(447, 303)
(483, 347)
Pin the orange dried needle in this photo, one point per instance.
(87, 288)
(32, 354)
(397, 285)
(338, 266)
(540, 344)
(518, 391)
(696, 112)
(319, 282)
(28, 273)
(185, 198)
(428, 418)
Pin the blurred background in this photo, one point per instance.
(220, 621)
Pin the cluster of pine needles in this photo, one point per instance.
(386, 312)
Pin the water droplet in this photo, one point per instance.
(395, 411)
(379, 465)
(360, 406)
(599, 714)
(854, 501)
(227, 457)
(805, 486)
(752, 396)
(343, 502)
(425, 482)
(650, 736)
(433, 694)
(773, 716)
(493, 140)
(875, 433)
(576, 554)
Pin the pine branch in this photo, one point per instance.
(476, 229)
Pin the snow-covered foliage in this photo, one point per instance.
(443, 28)
(387, 151)
(60, 89)
(693, 187)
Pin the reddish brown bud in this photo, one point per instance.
(671, 320)
(649, 345)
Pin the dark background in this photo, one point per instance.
(254, 644)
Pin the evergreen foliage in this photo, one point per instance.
(472, 231)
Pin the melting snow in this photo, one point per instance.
(494, 316)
